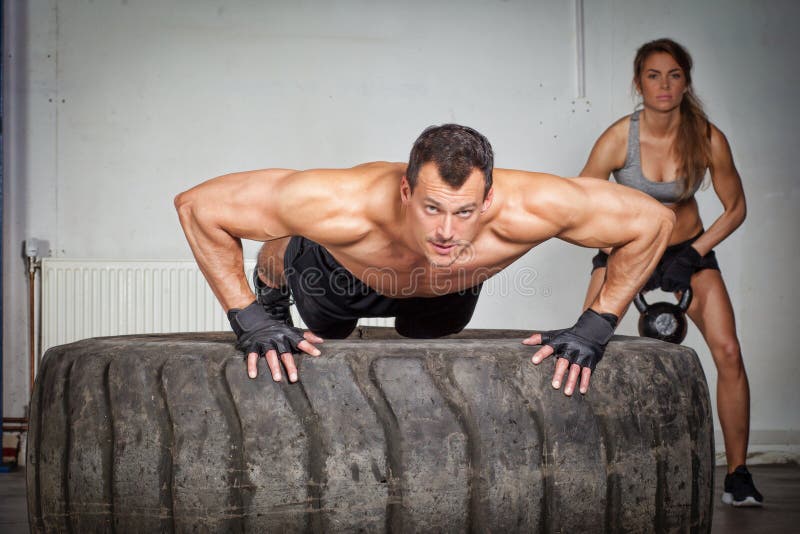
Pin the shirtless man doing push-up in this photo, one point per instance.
(412, 241)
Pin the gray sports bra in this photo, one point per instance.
(631, 173)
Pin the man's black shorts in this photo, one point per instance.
(331, 300)
(709, 261)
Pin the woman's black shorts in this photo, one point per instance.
(709, 261)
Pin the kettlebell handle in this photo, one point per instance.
(640, 303)
(686, 299)
(683, 304)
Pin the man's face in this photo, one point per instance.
(444, 221)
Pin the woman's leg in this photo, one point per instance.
(712, 312)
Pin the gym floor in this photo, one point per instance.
(780, 485)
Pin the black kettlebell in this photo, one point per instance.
(663, 320)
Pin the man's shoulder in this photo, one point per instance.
(382, 167)
(526, 184)
(504, 176)
(529, 205)
(343, 183)
(360, 170)
(339, 206)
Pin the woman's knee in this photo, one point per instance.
(728, 357)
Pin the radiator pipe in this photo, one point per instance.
(39, 321)
(31, 330)
(15, 424)
(15, 420)
(33, 266)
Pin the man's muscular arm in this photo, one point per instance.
(633, 223)
(597, 214)
(216, 214)
(263, 205)
(258, 205)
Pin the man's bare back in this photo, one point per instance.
(440, 224)
(386, 257)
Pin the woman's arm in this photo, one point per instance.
(608, 152)
(728, 186)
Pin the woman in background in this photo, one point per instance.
(664, 150)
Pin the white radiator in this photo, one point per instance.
(91, 298)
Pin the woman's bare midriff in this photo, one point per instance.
(687, 221)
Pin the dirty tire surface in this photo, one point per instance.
(165, 433)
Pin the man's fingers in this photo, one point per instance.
(586, 374)
(535, 339)
(572, 379)
(274, 365)
(542, 353)
(252, 364)
(561, 367)
(308, 348)
(291, 369)
(312, 337)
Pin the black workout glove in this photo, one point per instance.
(678, 273)
(585, 342)
(257, 332)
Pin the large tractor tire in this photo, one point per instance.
(166, 433)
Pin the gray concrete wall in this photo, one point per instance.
(114, 107)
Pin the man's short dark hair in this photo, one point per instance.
(457, 150)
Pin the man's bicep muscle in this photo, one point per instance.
(605, 214)
(271, 204)
(243, 205)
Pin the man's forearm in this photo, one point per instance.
(218, 254)
(630, 265)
